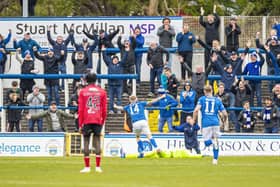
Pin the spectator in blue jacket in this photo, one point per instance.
(3, 52)
(115, 66)
(276, 26)
(254, 68)
(140, 40)
(27, 44)
(187, 100)
(58, 45)
(165, 101)
(185, 40)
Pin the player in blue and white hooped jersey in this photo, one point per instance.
(210, 108)
(136, 110)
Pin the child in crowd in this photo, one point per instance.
(270, 116)
(246, 118)
(14, 115)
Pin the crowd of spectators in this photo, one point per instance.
(225, 61)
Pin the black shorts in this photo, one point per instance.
(92, 128)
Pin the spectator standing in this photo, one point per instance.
(3, 52)
(80, 63)
(172, 87)
(166, 32)
(276, 26)
(242, 92)
(185, 40)
(232, 32)
(128, 46)
(115, 66)
(35, 99)
(60, 45)
(254, 68)
(54, 118)
(140, 40)
(165, 101)
(73, 102)
(26, 44)
(187, 101)
(155, 62)
(211, 31)
(27, 67)
(270, 116)
(247, 118)
(50, 62)
(14, 115)
(14, 89)
(210, 108)
(92, 110)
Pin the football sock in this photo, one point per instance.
(87, 161)
(208, 143)
(140, 146)
(97, 160)
(153, 142)
(216, 153)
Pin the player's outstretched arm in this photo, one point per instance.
(195, 112)
(118, 107)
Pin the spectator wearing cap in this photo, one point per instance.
(140, 40)
(26, 44)
(80, 63)
(165, 102)
(211, 31)
(166, 32)
(187, 101)
(270, 116)
(115, 66)
(185, 40)
(127, 46)
(234, 60)
(60, 45)
(3, 51)
(54, 118)
(242, 91)
(232, 32)
(87, 47)
(155, 62)
(274, 46)
(172, 87)
(27, 67)
(253, 67)
(50, 62)
(35, 99)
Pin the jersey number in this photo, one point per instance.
(209, 108)
(134, 110)
(91, 104)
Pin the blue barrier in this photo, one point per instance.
(66, 76)
(249, 77)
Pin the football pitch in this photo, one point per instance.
(117, 172)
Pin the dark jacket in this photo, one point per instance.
(184, 43)
(274, 117)
(50, 67)
(130, 60)
(155, 56)
(224, 98)
(172, 80)
(80, 65)
(15, 115)
(166, 36)
(243, 121)
(58, 47)
(211, 30)
(60, 115)
(241, 95)
(232, 36)
(190, 135)
(114, 68)
(26, 68)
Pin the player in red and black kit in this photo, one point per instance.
(92, 115)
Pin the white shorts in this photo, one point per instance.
(210, 132)
(141, 127)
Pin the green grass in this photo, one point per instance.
(231, 171)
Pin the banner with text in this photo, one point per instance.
(37, 27)
(32, 144)
(229, 144)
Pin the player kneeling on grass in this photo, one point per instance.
(136, 111)
(210, 107)
(92, 112)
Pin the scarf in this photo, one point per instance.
(247, 116)
(267, 115)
